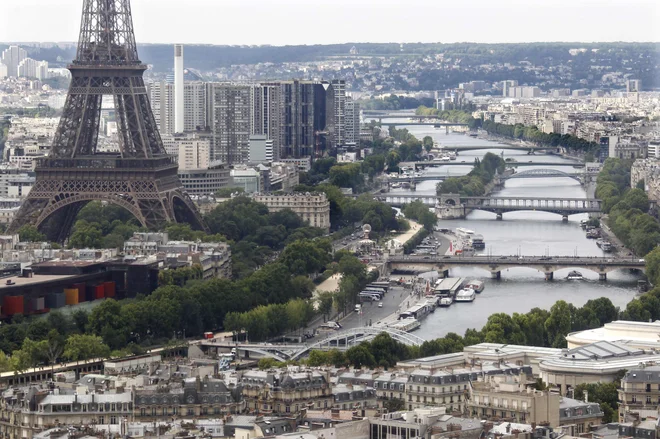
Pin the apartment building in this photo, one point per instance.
(640, 391)
(26, 411)
(196, 397)
(312, 208)
(508, 397)
(286, 392)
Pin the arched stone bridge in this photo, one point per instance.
(495, 264)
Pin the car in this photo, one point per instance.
(642, 260)
(427, 257)
(503, 257)
(380, 304)
(446, 257)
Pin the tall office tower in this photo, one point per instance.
(352, 119)
(194, 106)
(633, 85)
(161, 98)
(3, 70)
(179, 106)
(339, 91)
(232, 107)
(12, 57)
(267, 115)
(308, 127)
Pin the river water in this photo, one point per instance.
(526, 233)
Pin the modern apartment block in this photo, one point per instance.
(352, 121)
(339, 111)
(267, 115)
(161, 97)
(191, 151)
(12, 57)
(231, 122)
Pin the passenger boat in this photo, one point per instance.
(406, 325)
(446, 301)
(574, 275)
(465, 295)
(476, 285)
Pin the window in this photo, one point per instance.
(113, 420)
(648, 400)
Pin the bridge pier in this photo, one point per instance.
(564, 218)
(602, 276)
(498, 216)
(445, 273)
(496, 275)
(549, 275)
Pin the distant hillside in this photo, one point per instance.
(208, 57)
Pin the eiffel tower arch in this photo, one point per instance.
(141, 177)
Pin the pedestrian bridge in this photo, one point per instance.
(495, 264)
(341, 340)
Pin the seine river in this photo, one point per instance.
(526, 233)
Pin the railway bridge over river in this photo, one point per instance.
(451, 206)
(495, 264)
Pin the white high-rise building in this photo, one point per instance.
(12, 57)
(352, 121)
(190, 151)
(267, 114)
(179, 105)
(161, 97)
(194, 106)
(28, 68)
(339, 92)
(42, 70)
(3, 71)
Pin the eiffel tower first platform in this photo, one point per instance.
(141, 177)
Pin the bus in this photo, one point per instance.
(383, 285)
(378, 290)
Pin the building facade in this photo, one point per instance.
(232, 110)
(312, 208)
(640, 392)
(277, 392)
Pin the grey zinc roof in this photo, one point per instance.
(646, 374)
(603, 349)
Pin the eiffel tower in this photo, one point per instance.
(141, 178)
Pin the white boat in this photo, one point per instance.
(574, 275)
(476, 285)
(465, 295)
(406, 325)
(446, 301)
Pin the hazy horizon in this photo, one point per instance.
(300, 22)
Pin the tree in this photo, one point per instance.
(558, 324)
(359, 356)
(80, 347)
(427, 141)
(29, 233)
(394, 405)
(606, 394)
(108, 321)
(324, 302)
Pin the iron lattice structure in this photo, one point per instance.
(142, 178)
